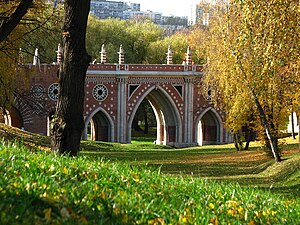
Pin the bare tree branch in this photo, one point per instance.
(9, 25)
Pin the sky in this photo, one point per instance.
(167, 7)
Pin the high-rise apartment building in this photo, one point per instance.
(200, 13)
(108, 9)
(104, 9)
(135, 6)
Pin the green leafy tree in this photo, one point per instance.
(250, 63)
(133, 36)
(145, 117)
(18, 19)
(12, 12)
(158, 49)
(44, 35)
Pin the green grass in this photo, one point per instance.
(143, 183)
(38, 187)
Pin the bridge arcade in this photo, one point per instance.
(113, 93)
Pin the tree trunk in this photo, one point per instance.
(268, 132)
(248, 139)
(135, 124)
(146, 130)
(293, 125)
(236, 141)
(68, 122)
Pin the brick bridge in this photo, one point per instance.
(113, 93)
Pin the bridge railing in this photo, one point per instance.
(147, 67)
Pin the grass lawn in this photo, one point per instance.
(142, 183)
(217, 162)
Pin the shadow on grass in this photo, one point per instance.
(24, 208)
(291, 191)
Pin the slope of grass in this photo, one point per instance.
(42, 188)
(218, 162)
(31, 140)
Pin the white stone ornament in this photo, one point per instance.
(53, 91)
(37, 91)
(100, 92)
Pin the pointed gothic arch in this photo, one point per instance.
(209, 127)
(14, 118)
(169, 124)
(101, 126)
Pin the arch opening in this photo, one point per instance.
(168, 122)
(209, 128)
(13, 118)
(99, 127)
(144, 122)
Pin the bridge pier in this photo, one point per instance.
(121, 111)
(188, 108)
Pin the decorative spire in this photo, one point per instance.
(59, 54)
(36, 58)
(188, 56)
(169, 56)
(121, 55)
(103, 55)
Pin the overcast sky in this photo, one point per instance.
(167, 7)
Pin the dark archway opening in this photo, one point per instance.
(144, 122)
(99, 128)
(209, 129)
(13, 118)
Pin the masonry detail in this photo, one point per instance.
(113, 93)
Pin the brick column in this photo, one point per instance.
(121, 112)
(188, 110)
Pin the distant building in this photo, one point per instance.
(135, 6)
(104, 9)
(156, 17)
(108, 9)
(200, 13)
(175, 20)
(174, 24)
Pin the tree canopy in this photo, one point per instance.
(11, 15)
(134, 37)
(252, 63)
(25, 25)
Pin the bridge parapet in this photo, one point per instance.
(147, 67)
(163, 68)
